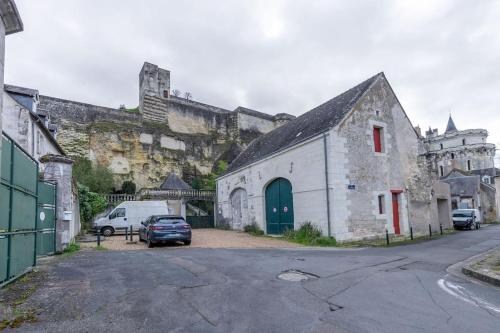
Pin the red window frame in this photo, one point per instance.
(377, 139)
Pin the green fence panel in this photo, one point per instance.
(45, 243)
(46, 193)
(22, 251)
(23, 211)
(46, 218)
(6, 159)
(199, 222)
(4, 243)
(4, 207)
(25, 171)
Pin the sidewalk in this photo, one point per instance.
(485, 267)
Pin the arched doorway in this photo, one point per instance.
(239, 209)
(279, 206)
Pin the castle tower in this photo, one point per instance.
(466, 150)
(154, 92)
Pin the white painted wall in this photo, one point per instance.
(302, 165)
(20, 126)
(248, 122)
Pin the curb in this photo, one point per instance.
(487, 277)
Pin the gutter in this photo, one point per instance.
(327, 187)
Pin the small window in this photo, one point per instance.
(441, 170)
(463, 142)
(441, 145)
(468, 165)
(377, 139)
(377, 113)
(452, 156)
(165, 93)
(381, 204)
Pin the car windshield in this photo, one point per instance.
(167, 220)
(462, 214)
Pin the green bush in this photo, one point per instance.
(91, 204)
(97, 178)
(207, 182)
(128, 187)
(308, 234)
(253, 229)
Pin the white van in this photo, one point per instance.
(467, 218)
(130, 213)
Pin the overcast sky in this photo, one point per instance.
(272, 56)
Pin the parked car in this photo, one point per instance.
(165, 228)
(466, 218)
(129, 213)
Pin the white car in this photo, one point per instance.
(129, 213)
(466, 218)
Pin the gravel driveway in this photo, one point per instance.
(202, 238)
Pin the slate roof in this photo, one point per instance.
(451, 126)
(311, 123)
(173, 182)
(20, 90)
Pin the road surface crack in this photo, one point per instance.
(450, 317)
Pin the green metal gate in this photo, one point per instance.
(199, 222)
(19, 188)
(279, 206)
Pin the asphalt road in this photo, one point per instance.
(399, 289)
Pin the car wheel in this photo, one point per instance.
(107, 231)
(188, 242)
(150, 243)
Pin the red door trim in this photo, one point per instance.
(396, 191)
(395, 212)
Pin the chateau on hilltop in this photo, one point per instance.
(165, 134)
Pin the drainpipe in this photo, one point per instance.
(327, 185)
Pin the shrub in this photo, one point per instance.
(128, 187)
(91, 204)
(309, 234)
(253, 229)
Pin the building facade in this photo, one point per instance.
(466, 161)
(10, 23)
(354, 167)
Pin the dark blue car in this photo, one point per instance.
(165, 228)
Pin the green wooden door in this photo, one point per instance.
(279, 206)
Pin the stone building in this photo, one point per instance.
(22, 122)
(353, 166)
(10, 23)
(166, 133)
(465, 160)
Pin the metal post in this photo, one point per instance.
(430, 231)
(441, 228)
(387, 236)
(411, 233)
(11, 199)
(98, 236)
(131, 236)
(126, 233)
(36, 213)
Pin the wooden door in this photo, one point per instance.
(395, 213)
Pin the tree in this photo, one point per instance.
(97, 178)
(128, 187)
(176, 92)
(188, 96)
(91, 204)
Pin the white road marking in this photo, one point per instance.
(466, 296)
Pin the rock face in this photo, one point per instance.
(165, 134)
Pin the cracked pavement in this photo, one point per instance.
(237, 290)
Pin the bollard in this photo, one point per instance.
(430, 231)
(441, 229)
(411, 233)
(98, 236)
(131, 237)
(387, 236)
(126, 233)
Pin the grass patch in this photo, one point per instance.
(71, 249)
(253, 229)
(308, 234)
